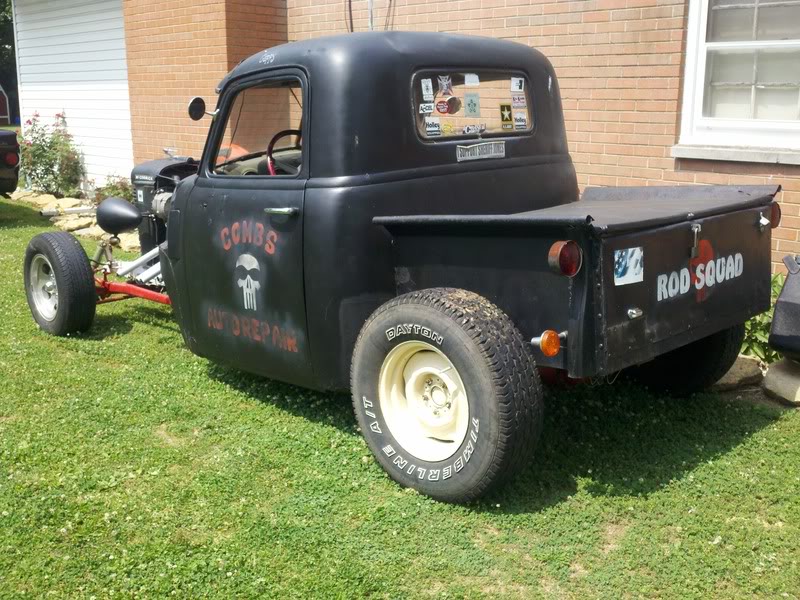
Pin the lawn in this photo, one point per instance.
(128, 466)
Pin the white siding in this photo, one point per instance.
(71, 59)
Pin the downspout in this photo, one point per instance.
(369, 10)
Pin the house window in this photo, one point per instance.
(742, 81)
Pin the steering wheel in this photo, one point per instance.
(271, 146)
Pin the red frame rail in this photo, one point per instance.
(106, 288)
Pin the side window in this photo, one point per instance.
(451, 104)
(262, 131)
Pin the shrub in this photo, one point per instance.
(51, 161)
(115, 186)
(757, 329)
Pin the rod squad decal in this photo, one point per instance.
(702, 274)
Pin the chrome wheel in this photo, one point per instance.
(44, 289)
(423, 401)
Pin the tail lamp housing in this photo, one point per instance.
(565, 258)
(774, 215)
(11, 159)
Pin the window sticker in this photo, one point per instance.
(460, 108)
(474, 129)
(506, 119)
(445, 85)
(427, 90)
(448, 129)
(433, 126)
(481, 151)
(472, 104)
(628, 266)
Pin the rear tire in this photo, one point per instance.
(446, 393)
(694, 367)
(59, 284)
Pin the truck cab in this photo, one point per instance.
(277, 270)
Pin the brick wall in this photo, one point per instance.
(619, 64)
(177, 49)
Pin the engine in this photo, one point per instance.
(154, 183)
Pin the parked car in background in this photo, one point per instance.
(9, 161)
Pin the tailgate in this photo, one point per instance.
(667, 286)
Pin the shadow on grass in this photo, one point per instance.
(623, 439)
(627, 441)
(120, 322)
(14, 215)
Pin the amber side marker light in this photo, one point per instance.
(565, 258)
(549, 342)
(775, 215)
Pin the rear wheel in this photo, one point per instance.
(446, 393)
(59, 284)
(694, 367)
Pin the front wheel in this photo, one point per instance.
(446, 393)
(59, 284)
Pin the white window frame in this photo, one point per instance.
(751, 140)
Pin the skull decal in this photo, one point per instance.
(249, 284)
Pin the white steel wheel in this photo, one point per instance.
(423, 401)
(43, 287)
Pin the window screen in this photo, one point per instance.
(753, 60)
(451, 104)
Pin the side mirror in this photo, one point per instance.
(197, 108)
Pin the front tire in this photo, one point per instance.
(59, 284)
(446, 393)
(694, 367)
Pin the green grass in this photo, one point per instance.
(128, 466)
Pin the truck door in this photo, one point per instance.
(242, 238)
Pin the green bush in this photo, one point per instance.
(757, 329)
(115, 186)
(50, 160)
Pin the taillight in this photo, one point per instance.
(565, 258)
(11, 158)
(775, 215)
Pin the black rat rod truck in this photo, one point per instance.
(398, 214)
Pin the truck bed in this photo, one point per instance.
(607, 210)
(648, 285)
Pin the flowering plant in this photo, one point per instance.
(51, 161)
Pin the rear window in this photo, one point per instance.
(451, 104)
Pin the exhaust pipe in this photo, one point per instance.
(150, 273)
(129, 267)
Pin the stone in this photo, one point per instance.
(783, 382)
(41, 200)
(93, 232)
(129, 242)
(745, 371)
(72, 202)
(73, 222)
